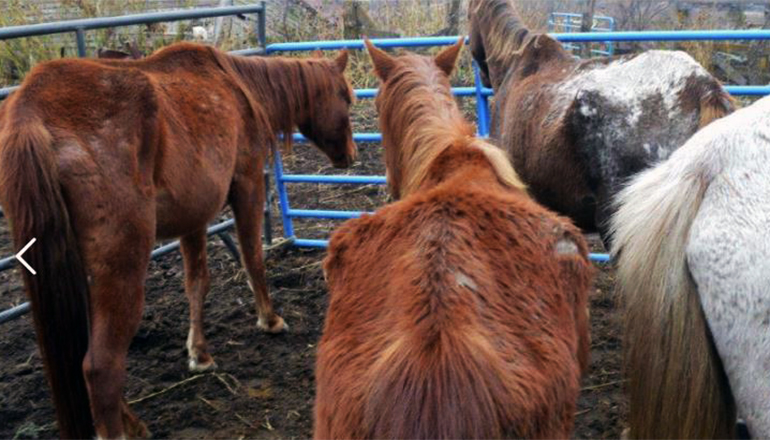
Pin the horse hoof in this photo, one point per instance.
(197, 366)
(134, 428)
(275, 325)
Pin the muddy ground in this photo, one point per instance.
(264, 385)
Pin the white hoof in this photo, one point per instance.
(278, 327)
(201, 367)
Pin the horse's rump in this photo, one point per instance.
(690, 242)
(35, 205)
(449, 317)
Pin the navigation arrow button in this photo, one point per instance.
(21, 260)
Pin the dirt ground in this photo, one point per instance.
(264, 386)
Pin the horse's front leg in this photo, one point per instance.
(248, 202)
(196, 287)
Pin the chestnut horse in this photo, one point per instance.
(99, 158)
(459, 311)
(576, 130)
(691, 246)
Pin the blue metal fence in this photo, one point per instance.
(569, 23)
(480, 93)
(482, 109)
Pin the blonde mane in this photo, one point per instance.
(421, 120)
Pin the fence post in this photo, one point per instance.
(283, 197)
(262, 31)
(268, 220)
(81, 38)
(482, 108)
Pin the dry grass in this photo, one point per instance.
(404, 17)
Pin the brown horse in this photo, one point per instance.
(110, 54)
(459, 311)
(576, 130)
(99, 158)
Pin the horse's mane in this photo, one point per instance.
(424, 120)
(503, 29)
(289, 85)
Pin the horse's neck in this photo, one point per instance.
(503, 33)
(281, 94)
(443, 154)
(462, 164)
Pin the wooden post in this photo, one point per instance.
(587, 25)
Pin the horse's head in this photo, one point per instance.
(328, 122)
(407, 83)
(476, 43)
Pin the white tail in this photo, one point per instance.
(677, 386)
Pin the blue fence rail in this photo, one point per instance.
(481, 94)
(482, 108)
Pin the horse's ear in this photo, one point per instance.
(383, 63)
(317, 54)
(448, 57)
(342, 60)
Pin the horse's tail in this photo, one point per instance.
(447, 388)
(36, 208)
(676, 384)
(715, 104)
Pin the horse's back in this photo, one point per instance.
(432, 305)
(623, 110)
(599, 121)
(165, 130)
(727, 257)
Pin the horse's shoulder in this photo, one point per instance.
(353, 236)
(522, 215)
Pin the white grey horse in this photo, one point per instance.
(693, 270)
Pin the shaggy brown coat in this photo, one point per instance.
(98, 158)
(459, 311)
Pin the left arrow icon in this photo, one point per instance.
(21, 260)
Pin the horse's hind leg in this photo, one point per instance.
(117, 298)
(196, 286)
(248, 201)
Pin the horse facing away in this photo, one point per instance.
(589, 124)
(691, 247)
(459, 311)
(132, 151)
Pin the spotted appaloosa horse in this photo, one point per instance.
(98, 158)
(691, 245)
(576, 130)
(459, 311)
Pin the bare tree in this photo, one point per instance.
(357, 23)
(452, 19)
(638, 15)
